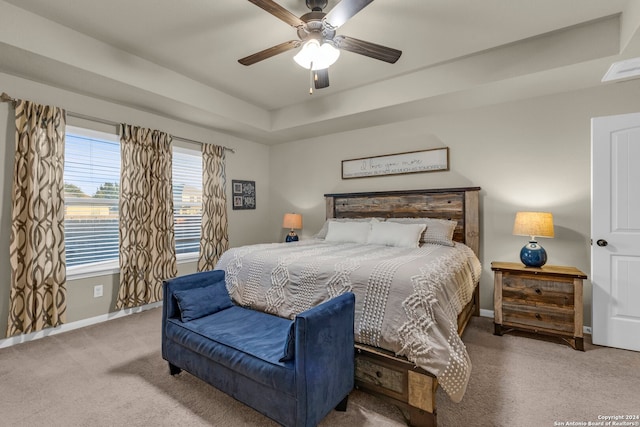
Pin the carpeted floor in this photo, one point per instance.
(112, 374)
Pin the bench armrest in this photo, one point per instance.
(324, 360)
(190, 281)
(170, 307)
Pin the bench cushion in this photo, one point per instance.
(246, 341)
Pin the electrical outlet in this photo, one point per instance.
(97, 291)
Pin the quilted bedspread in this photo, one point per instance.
(407, 300)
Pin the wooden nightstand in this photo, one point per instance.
(546, 300)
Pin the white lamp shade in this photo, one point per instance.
(533, 224)
(316, 57)
(292, 220)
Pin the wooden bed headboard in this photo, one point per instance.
(457, 204)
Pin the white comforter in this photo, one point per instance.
(407, 300)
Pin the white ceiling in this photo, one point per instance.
(179, 58)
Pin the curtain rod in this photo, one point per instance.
(6, 98)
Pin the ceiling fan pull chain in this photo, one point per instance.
(311, 79)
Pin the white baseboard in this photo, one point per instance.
(8, 342)
(486, 313)
(490, 313)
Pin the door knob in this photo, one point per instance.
(602, 242)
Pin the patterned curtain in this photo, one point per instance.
(147, 241)
(214, 238)
(36, 251)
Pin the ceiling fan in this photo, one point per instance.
(317, 32)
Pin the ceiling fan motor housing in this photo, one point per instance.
(316, 5)
(315, 28)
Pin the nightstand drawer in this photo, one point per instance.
(530, 290)
(542, 317)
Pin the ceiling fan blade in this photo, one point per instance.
(279, 12)
(268, 53)
(321, 78)
(369, 49)
(344, 10)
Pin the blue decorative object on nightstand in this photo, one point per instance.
(291, 237)
(533, 255)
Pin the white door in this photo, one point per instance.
(615, 230)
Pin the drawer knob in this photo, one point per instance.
(378, 374)
(538, 291)
(538, 316)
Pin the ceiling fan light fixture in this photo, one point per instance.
(314, 56)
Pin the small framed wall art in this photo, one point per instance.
(244, 194)
(435, 159)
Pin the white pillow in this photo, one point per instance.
(351, 232)
(439, 231)
(325, 227)
(394, 234)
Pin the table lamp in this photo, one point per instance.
(533, 224)
(291, 221)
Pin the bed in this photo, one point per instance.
(411, 304)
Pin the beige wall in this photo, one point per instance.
(250, 162)
(531, 154)
(525, 155)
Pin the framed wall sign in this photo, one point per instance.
(244, 194)
(436, 159)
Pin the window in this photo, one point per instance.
(187, 199)
(91, 191)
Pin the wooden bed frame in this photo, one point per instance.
(379, 371)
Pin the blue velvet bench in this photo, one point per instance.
(293, 371)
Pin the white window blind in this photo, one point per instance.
(187, 199)
(92, 186)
